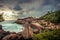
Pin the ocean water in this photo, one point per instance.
(11, 26)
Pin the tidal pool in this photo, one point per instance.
(12, 27)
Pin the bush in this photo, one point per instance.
(1, 18)
(48, 35)
(52, 17)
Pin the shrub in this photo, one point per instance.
(52, 16)
(48, 35)
(1, 18)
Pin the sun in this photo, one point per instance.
(8, 15)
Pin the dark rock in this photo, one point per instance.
(6, 33)
(1, 34)
(0, 27)
(11, 37)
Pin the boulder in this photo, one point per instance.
(11, 37)
(28, 32)
(37, 26)
(0, 27)
(1, 34)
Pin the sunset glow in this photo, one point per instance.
(8, 15)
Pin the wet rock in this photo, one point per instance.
(19, 35)
(20, 21)
(28, 32)
(1, 34)
(11, 37)
(6, 33)
(0, 27)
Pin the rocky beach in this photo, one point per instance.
(29, 19)
(31, 26)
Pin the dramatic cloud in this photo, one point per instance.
(53, 3)
(17, 8)
(1, 5)
(35, 8)
(25, 1)
(18, 1)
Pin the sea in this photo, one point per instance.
(11, 26)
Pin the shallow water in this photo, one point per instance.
(12, 27)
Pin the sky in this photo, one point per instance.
(14, 9)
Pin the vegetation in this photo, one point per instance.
(52, 17)
(48, 35)
(1, 18)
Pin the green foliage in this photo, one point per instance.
(1, 18)
(48, 35)
(52, 16)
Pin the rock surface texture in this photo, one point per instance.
(31, 26)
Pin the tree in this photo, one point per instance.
(52, 17)
(1, 18)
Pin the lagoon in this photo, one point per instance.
(11, 26)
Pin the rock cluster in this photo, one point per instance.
(32, 23)
(14, 36)
(31, 26)
(37, 24)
